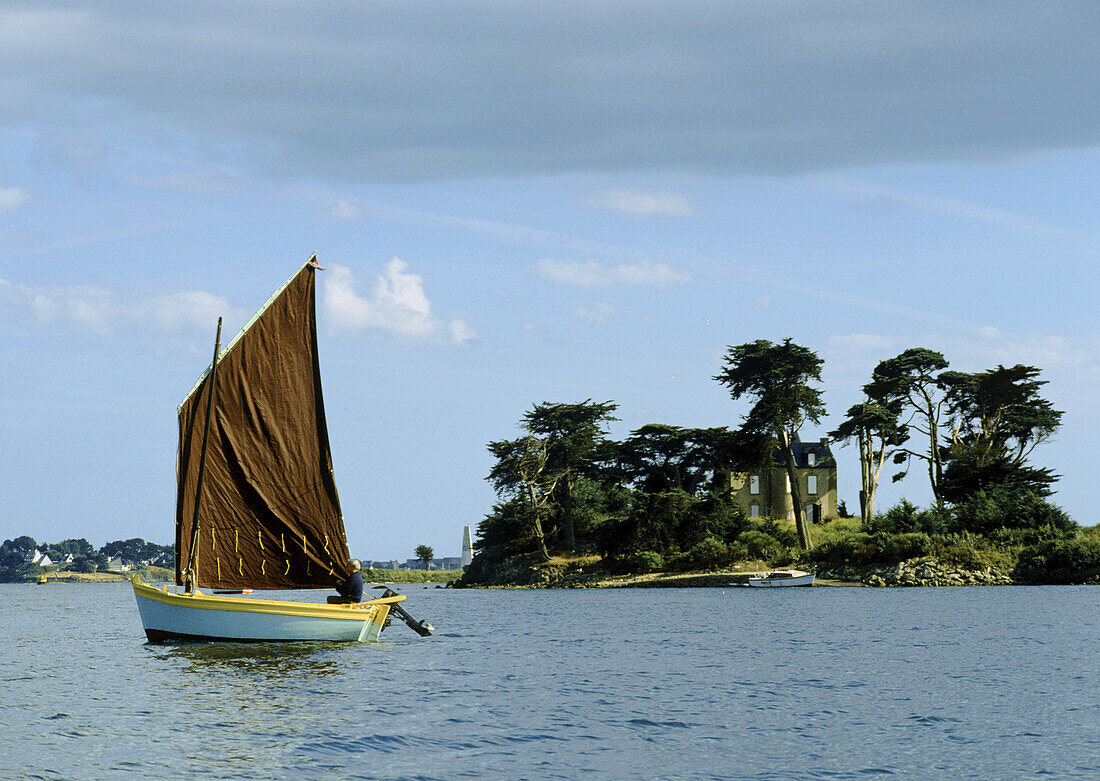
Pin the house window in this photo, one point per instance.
(811, 484)
(811, 458)
(754, 484)
(754, 511)
(787, 483)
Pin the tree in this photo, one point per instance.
(520, 473)
(911, 379)
(425, 554)
(657, 458)
(997, 418)
(135, 550)
(777, 377)
(14, 558)
(875, 426)
(573, 435)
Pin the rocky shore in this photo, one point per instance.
(926, 571)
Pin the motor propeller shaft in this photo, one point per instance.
(422, 628)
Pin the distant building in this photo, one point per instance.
(467, 546)
(766, 492)
(115, 564)
(39, 558)
(162, 559)
(447, 562)
(391, 564)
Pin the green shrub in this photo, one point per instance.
(862, 549)
(902, 547)
(904, 517)
(710, 553)
(785, 535)
(646, 561)
(962, 556)
(1072, 560)
(985, 512)
(759, 544)
(738, 552)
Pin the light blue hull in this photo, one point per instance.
(167, 616)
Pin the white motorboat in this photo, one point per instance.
(782, 578)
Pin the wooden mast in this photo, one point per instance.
(192, 579)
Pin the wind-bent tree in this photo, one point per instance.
(997, 418)
(876, 427)
(912, 378)
(573, 435)
(425, 554)
(657, 458)
(521, 473)
(777, 377)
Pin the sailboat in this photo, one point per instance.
(256, 502)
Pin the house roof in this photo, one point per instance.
(823, 454)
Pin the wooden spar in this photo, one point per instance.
(193, 558)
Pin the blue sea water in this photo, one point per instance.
(822, 683)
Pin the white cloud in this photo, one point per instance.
(460, 332)
(343, 209)
(88, 305)
(595, 274)
(187, 309)
(397, 303)
(641, 203)
(12, 197)
(989, 332)
(101, 310)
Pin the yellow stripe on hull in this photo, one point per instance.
(167, 615)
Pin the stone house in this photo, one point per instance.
(766, 492)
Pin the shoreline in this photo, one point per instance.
(918, 572)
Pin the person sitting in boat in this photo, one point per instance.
(351, 590)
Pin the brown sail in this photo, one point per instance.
(269, 516)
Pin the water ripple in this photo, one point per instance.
(830, 684)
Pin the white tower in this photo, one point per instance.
(467, 547)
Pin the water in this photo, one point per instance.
(823, 683)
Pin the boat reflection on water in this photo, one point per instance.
(257, 660)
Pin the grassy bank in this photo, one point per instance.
(843, 553)
(163, 574)
(150, 574)
(411, 575)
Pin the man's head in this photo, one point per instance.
(355, 565)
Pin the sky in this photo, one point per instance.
(518, 202)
